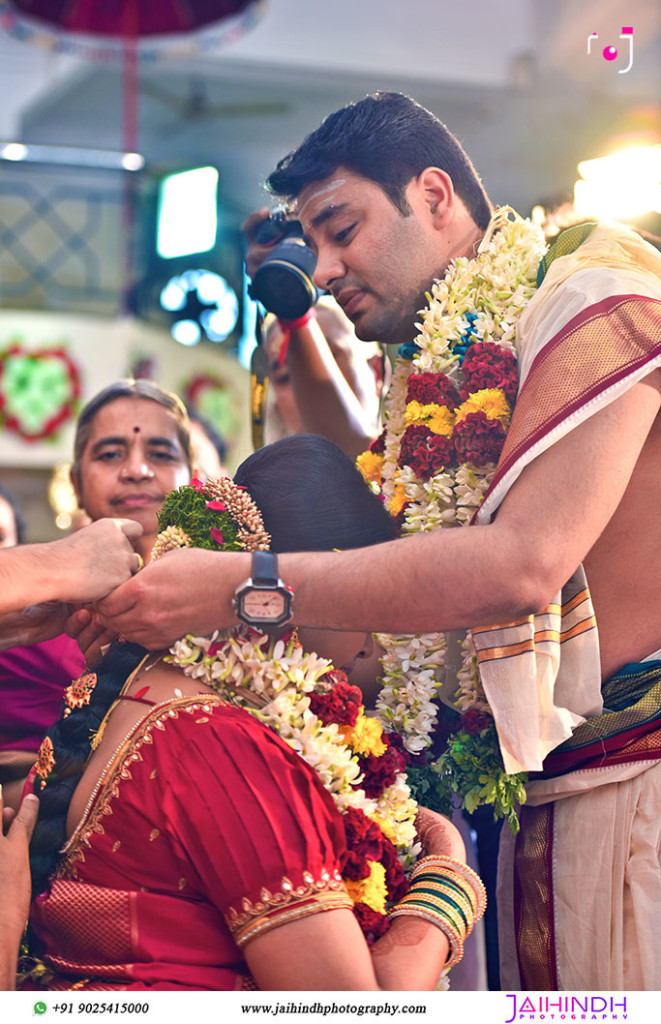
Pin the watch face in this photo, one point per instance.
(266, 605)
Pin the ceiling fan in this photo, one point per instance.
(195, 105)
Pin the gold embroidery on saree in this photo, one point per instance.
(291, 902)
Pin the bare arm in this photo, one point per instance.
(14, 884)
(326, 403)
(38, 580)
(327, 952)
(447, 579)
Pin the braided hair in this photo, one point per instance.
(71, 738)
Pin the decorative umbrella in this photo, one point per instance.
(132, 31)
(129, 30)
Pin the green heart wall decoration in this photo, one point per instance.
(39, 391)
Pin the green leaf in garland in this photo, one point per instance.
(188, 509)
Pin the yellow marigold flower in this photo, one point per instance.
(371, 890)
(370, 465)
(438, 418)
(398, 500)
(490, 401)
(365, 736)
(386, 827)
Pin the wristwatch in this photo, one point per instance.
(263, 599)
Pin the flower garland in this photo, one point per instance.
(449, 408)
(307, 702)
(39, 391)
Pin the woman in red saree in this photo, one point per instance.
(201, 851)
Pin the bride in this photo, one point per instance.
(225, 815)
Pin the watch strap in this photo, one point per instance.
(264, 568)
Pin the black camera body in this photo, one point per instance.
(283, 283)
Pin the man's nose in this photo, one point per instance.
(328, 269)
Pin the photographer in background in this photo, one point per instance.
(322, 382)
(300, 407)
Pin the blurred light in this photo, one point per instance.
(102, 159)
(186, 332)
(622, 186)
(206, 302)
(133, 161)
(173, 296)
(61, 496)
(13, 151)
(210, 287)
(187, 213)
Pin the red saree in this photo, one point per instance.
(205, 831)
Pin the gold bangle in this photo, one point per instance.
(435, 905)
(455, 867)
(440, 884)
(462, 905)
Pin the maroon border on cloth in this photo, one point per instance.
(610, 751)
(534, 919)
(613, 307)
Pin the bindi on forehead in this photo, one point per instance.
(136, 430)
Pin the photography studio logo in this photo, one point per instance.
(610, 53)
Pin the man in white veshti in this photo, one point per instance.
(387, 199)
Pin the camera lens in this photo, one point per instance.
(283, 283)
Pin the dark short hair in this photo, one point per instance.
(312, 497)
(390, 139)
(129, 388)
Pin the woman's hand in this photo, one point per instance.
(438, 835)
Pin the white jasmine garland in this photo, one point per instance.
(478, 300)
(274, 681)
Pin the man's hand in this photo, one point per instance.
(33, 624)
(256, 253)
(14, 883)
(95, 560)
(185, 591)
(86, 627)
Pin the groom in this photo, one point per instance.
(387, 199)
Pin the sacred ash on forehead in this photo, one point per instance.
(319, 194)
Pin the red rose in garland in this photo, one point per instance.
(489, 366)
(425, 452)
(479, 439)
(432, 389)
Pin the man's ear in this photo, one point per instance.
(438, 192)
(77, 489)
